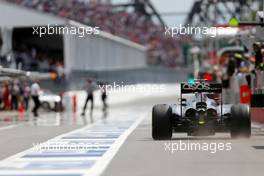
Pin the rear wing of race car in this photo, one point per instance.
(201, 87)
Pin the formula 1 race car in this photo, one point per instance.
(202, 113)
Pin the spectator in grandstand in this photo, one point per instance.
(90, 87)
(135, 25)
(35, 90)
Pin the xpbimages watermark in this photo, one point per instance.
(80, 31)
(147, 89)
(211, 147)
(190, 30)
(62, 146)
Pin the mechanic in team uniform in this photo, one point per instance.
(90, 87)
(35, 90)
(104, 97)
(258, 54)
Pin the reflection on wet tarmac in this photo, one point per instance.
(50, 118)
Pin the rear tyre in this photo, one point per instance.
(240, 121)
(161, 122)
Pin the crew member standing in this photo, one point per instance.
(104, 97)
(258, 63)
(35, 89)
(26, 95)
(90, 87)
(15, 90)
(258, 54)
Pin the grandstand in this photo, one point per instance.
(132, 20)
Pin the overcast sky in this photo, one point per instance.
(164, 6)
(173, 6)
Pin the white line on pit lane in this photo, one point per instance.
(99, 166)
(102, 163)
(9, 127)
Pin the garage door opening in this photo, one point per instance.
(34, 53)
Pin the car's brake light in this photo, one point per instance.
(208, 77)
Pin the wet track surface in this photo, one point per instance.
(136, 155)
(140, 155)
